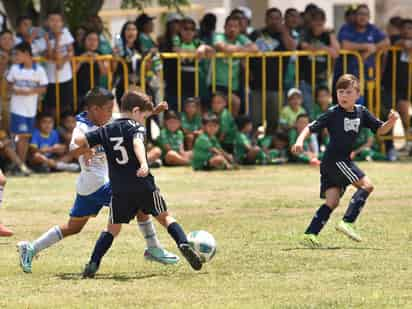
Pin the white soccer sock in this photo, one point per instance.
(48, 239)
(149, 233)
(1, 194)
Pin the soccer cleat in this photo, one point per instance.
(311, 241)
(191, 256)
(160, 255)
(4, 231)
(26, 254)
(90, 270)
(349, 230)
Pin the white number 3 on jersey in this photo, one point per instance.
(124, 158)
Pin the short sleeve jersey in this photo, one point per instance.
(193, 124)
(117, 139)
(38, 140)
(344, 128)
(241, 142)
(201, 150)
(174, 139)
(227, 126)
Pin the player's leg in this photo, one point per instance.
(4, 231)
(156, 205)
(321, 216)
(174, 158)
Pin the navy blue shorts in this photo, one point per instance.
(21, 125)
(90, 205)
(338, 174)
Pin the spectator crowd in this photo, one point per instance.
(205, 134)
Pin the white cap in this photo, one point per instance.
(293, 91)
(173, 17)
(246, 11)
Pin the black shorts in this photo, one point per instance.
(338, 174)
(124, 206)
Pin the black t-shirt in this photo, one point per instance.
(117, 140)
(344, 128)
(267, 41)
(321, 62)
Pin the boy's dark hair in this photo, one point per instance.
(210, 118)
(321, 88)
(242, 121)
(291, 10)
(133, 99)
(43, 115)
(24, 47)
(406, 21)
(6, 31)
(98, 96)
(171, 114)
(232, 17)
(362, 6)
(188, 20)
(303, 115)
(272, 10)
(310, 7)
(318, 14)
(396, 21)
(67, 114)
(54, 12)
(218, 94)
(282, 135)
(346, 81)
(192, 100)
(21, 18)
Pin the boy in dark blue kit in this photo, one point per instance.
(344, 122)
(133, 187)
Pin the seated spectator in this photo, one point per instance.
(171, 141)
(17, 166)
(154, 155)
(207, 29)
(47, 152)
(364, 147)
(315, 39)
(191, 122)
(83, 68)
(6, 47)
(275, 37)
(227, 125)
(59, 42)
(231, 41)
(294, 108)
(67, 125)
(309, 154)
(27, 81)
(207, 152)
(322, 104)
(245, 152)
(25, 32)
(187, 42)
(275, 146)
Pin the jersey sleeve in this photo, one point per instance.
(95, 137)
(244, 40)
(139, 132)
(370, 121)
(322, 122)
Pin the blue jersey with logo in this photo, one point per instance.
(40, 140)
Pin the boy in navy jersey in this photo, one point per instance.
(133, 186)
(344, 122)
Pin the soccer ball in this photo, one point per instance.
(203, 243)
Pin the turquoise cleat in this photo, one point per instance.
(26, 254)
(160, 255)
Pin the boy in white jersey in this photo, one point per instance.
(93, 191)
(27, 80)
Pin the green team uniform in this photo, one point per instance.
(146, 44)
(191, 125)
(368, 153)
(288, 116)
(227, 126)
(201, 151)
(317, 111)
(273, 154)
(242, 142)
(174, 139)
(293, 136)
(222, 64)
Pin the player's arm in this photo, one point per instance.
(140, 151)
(297, 148)
(160, 108)
(388, 124)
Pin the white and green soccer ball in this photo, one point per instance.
(203, 243)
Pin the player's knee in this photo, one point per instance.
(332, 204)
(142, 217)
(114, 229)
(368, 186)
(3, 180)
(165, 219)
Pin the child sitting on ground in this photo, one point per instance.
(363, 148)
(245, 152)
(308, 155)
(323, 103)
(65, 130)
(191, 122)
(171, 140)
(291, 111)
(207, 152)
(47, 152)
(275, 146)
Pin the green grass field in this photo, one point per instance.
(257, 217)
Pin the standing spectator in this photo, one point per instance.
(245, 15)
(394, 26)
(84, 83)
(314, 39)
(274, 37)
(207, 28)
(25, 32)
(350, 15)
(187, 42)
(231, 41)
(59, 44)
(79, 35)
(6, 47)
(27, 80)
(3, 22)
(95, 24)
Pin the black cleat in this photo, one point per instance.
(90, 270)
(191, 256)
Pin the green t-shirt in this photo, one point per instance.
(288, 116)
(227, 126)
(364, 135)
(222, 64)
(191, 125)
(265, 141)
(293, 136)
(174, 139)
(317, 111)
(241, 142)
(146, 44)
(201, 150)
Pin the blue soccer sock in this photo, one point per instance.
(177, 233)
(103, 244)
(319, 220)
(355, 206)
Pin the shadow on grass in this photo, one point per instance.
(332, 248)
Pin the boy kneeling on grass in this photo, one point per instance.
(207, 152)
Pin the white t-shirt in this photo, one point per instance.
(38, 46)
(65, 73)
(25, 79)
(93, 176)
